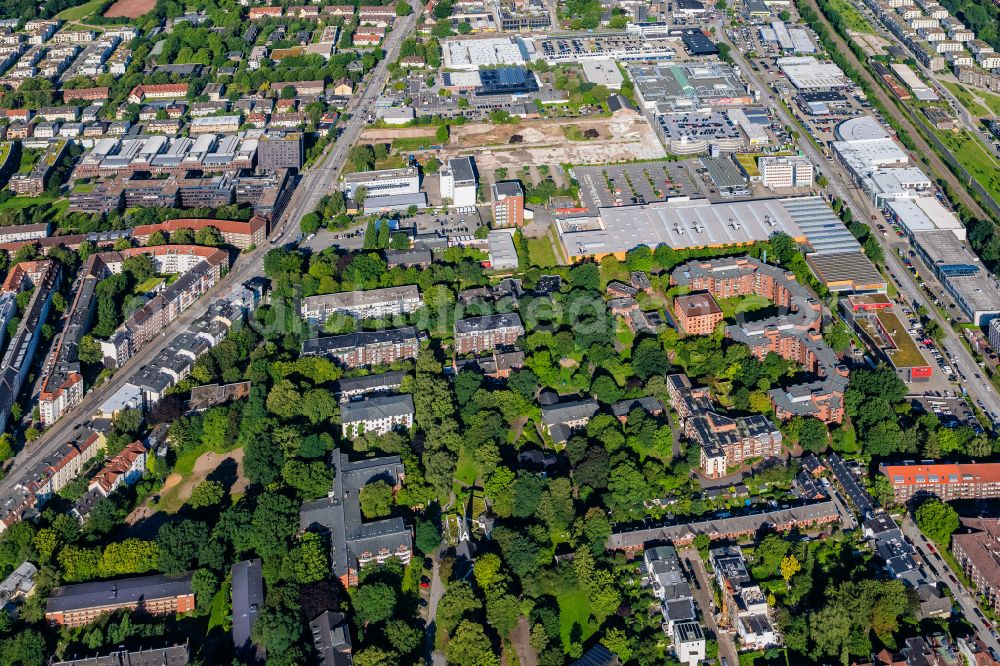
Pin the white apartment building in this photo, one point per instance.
(791, 171)
(379, 415)
(689, 643)
(371, 304)
(458, 182)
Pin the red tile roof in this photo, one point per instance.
(946, 473)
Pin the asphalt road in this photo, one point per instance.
(314, 183)
(842, 186)
(962, 598)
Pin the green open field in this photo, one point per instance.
(967, 99)
(974, 156)
(80, 12)
(852, 18)
(540, 252)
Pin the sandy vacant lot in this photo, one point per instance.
(388, 134)
(130, 8)
(623, 137)
(177, 489)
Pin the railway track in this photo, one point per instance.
(937, 165)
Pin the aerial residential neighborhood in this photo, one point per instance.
(496, 332)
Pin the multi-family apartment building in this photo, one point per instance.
(370, 304)
(237, 233)
(794, 336)
(947, 481)
(158, 91)
(726, 442)
(364, 348)
(123, 469)
(77, 605)
(377, 414)
(57, 470)
(697, 313)
(508, 204)
(174, 655)
(24, 232)
(670, 587)
(350, 388)
(475, 335)
(977, 549)
(356, 543)
(201, 268)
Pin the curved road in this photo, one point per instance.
(313, 184)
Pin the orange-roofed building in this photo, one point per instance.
(157, 91)
(122, 470)
(947, 481)
(240, 234)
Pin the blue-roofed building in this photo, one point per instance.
(507, 81)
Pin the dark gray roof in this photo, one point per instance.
(598, 656)
(508, 188)
(339, 514)
(650, 404)
(462, 169)
(412, 257)
(248, 599)
(338, 343)
(379, 407)
(488, 323)
(332, 638)
(673, 531)
(371, 383)
(123, 591)
(175, 655)
(563, 412)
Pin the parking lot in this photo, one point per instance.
(628, 184)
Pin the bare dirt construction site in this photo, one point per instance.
(621, 138)
(390, 133)
(130, 8)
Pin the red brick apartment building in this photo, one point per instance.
(978, 553)
(697, 314)
(237, 233)
(157, 91)
(77, 605)
(478, 334)
(508, 204)
(364, 348)
(947, 481)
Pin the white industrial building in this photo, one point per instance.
(603, 73)
(917, 214)
(808, 73)
(388, 182)
(472, 54)
(458, 182)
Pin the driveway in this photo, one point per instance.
(433, 597)
(703, 595)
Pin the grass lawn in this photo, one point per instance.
(732, 306)
(852, 18)
(574, 608)
(219, 613)
(540, 252)
(966, 98)
(17, 203)
(148, 285)
(973, 156)
(625, 337)
(80, 12)
(465, 470)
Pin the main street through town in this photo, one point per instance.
(842, 186)
(312, 186)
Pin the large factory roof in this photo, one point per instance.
(806, 72)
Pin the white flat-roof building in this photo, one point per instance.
(387, 182)
(503, 254)
(960, 272)
(471, 54)
(785, 171)
(603, 73)
(808, 73)
(458, 182)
